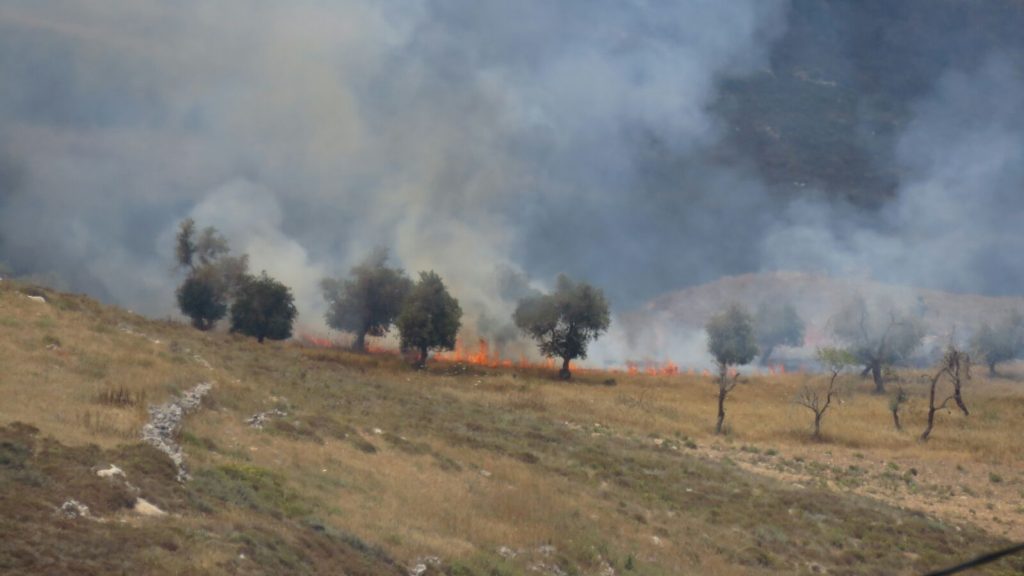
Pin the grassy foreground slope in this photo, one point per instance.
(366, 467)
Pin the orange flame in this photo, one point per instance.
(485, 356)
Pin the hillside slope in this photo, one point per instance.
(359, 465)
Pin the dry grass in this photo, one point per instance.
(457, 462)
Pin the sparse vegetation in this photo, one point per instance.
(530, 464)
(565, 322)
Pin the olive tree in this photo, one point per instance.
(875, 339)
(956, 366)
(776, 326)
(835, 361)
(1002, 343)
(430, 317)
(368, 301)
(200, 300)
(564, 322)
(731, 342)
(213, 276)
(263, 308)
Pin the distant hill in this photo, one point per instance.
(816, 297)
(842, 81)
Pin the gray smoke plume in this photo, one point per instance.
(472, 138)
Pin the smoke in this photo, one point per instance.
(952, 223)
(483, 140)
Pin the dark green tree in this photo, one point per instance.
(201, 300)
(1001, 344)
(731, 342)
(877, 340)
(777, 326)
(430, 317)
(368, 301)
(263, 308)
(565, 322)
(213, 275)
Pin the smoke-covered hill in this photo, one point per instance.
(671, 325)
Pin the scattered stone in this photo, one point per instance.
(72, 509)
(378, 431)
(165, 423)
(485, 473)
(421, 565)
(37, 299)
(605, 569)
(260, 419)
(546, 550)
(112, 472)
(659, 441)
(144, 507)
(507, 553)
(657, 541)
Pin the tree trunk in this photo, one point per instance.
(896, 418)
(260, 338)
(992, 369)
(721, 407)
(817, 425)
(931, 409)
(421, 362)
(876, 374)
(960, 401)
(360, 344)
(564, 373)
(766, 355)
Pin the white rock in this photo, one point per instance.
(38, 299)
(73, 509)
(112, 472)
(144, 507)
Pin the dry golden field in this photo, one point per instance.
(374, 468)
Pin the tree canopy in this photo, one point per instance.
(877, 339)
(731, 337)
(731, 342)
(263, 308)
(213, 275)
(1001, 343)
(430, 317)
(564, 322)
(199, 299)
(776, 326)
(368, 301)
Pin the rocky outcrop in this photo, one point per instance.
(165, 422)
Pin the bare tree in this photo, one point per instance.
(835, 360)
(875, 339)
(956, 365)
